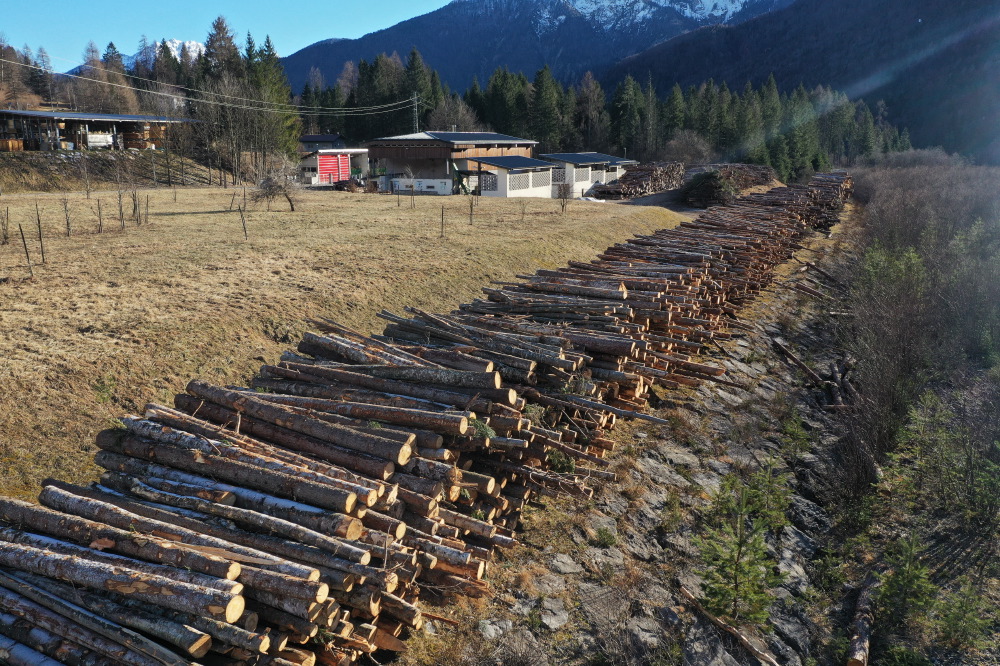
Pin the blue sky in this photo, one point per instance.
(64, 28)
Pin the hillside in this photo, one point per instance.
(465, 39)
(934, 64)
(112, 321)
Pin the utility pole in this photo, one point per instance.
(416, 115)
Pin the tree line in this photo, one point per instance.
(249, 114)
(797, 133)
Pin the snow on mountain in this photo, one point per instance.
(194, 50)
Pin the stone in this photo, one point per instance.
(644, 631)
(549, 584)
(791, 630)
(798, 542)
(702, 647)
(707, 480)
(604, 558)
(677, 456)
(554, 614)
(521, 647)
(494, 629)
(613, 504)
(660, 473)
(601, 522)
(564, 564)
(808, 516)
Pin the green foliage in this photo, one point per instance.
(901, 656)
(794, 435)
(964, 616)
(104, 388)
(560, 462)
(482, 429)
(907, 593)
(605, 538)
(739, 573)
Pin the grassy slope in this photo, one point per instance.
(115, 320)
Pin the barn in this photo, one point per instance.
(326, 167)
(68, 130)
(439, 162)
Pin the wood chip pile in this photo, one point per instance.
(643, 179)
(298, 521)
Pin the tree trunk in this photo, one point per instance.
(351, 439)
(232, 471)
(88, 507)
(312, 517)
(151, 548)
(156, 590)
(193, 642)
(373, 466)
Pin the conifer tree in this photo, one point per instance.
(739, 573)
(545, 120)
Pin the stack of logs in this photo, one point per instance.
(297, 521)
(643, 179)
(721, 184)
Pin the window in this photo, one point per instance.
(559, 175)
(488, 182)
(541, 179)
(582, 174)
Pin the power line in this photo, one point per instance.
(201, 92)
(333, 111)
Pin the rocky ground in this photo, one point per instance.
(599, 582)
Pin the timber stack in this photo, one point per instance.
(643, 179)
(721, 184)
(300, 520)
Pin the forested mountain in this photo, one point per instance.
(934, 64)
(471, 38)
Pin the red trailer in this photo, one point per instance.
(333, 167)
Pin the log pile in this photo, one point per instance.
(641, 180)
(301, 519)
(721, 184)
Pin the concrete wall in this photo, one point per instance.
(535, 184)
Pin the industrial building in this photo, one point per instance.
(439, 162)
(582, 170)
(68, 130)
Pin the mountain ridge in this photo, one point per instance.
(471, 38)
(931, 64)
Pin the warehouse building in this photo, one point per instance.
(67, 130)
(513, 176)
(582, 170)
(440, 162)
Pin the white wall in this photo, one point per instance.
(422, 185)
(536, 184)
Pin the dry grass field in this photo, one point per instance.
(114, 320)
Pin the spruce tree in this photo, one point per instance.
(739, 573)
(545, 117)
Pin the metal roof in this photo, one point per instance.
(320, 138)
(612, 159)
(512, 162)
(457, 138)
(584, 159)
(477, 137)
(109, 117)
